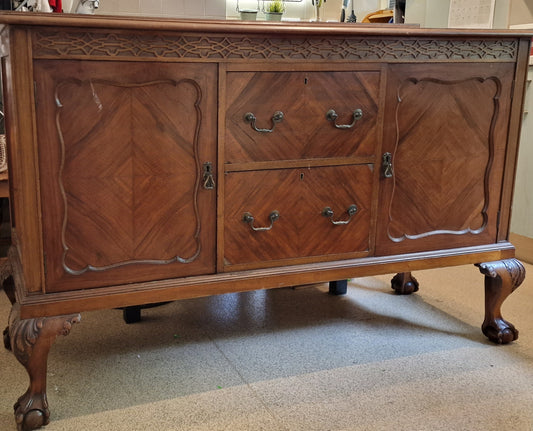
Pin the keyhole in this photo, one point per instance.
(305, 81)
(301, 176)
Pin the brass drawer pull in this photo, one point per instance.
(249, 117)
(249, 218)
(331, 115)
(328, 212)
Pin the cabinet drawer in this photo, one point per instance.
(304, 99)
(288, 207)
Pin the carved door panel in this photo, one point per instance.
(275, 215)
(122, 148)
(304, 99)
(445, 139)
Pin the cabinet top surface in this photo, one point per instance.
(237, 26)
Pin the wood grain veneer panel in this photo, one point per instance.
(300, 196)
(125, 156)
(304, 98)
(448, 152)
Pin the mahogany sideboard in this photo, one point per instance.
(153, 160)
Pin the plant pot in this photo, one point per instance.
(318, 14)
(248, 15)
(273, 16)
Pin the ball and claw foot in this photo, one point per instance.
(404, 283)
(31, 412)
(500, 331)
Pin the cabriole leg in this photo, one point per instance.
(404, 283)
(31, 340)
(501, 279)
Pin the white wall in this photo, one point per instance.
(522, 215)
(170, 8)
(227, 9)
(434, 13)
(427, 13)
(521, 12)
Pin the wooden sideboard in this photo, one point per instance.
(155, 160)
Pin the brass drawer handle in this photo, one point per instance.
(249, 117)
(328, 212)
(331, 115)
(249, 218)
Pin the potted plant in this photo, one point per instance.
(248, 14)
(275, 10)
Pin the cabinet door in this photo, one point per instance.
(290, 217)
(122, 148)
(446, 138)
(304, 99)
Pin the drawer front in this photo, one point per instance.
(306, 130)
(281, 214)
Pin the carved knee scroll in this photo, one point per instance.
(31, 340)
(501, 279)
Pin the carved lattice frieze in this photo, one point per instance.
(47, 44)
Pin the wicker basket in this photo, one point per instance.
(3, 154)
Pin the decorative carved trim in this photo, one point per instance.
(515, 271)
(194, 198)
(25, 333)
(76, 44)
(486, 184)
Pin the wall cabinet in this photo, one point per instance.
(157, 160)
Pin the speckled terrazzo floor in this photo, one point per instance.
(296, 360)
